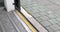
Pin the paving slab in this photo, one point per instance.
(44, 10)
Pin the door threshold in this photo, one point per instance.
(38, 26)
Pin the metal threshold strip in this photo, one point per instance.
(34, 27)
(25, 26)
(26, 22)
(36, 24)
(18, 23)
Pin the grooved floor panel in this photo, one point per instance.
(46, 12)
(5, 22)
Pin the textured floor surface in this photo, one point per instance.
(7, 20)
(46, 12)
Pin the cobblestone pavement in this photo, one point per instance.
(45, 12)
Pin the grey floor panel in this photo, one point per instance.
(1, 28)
(6, 24)
(46, 12)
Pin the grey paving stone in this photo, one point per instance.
(39, 19)
(55, 27)
(49, 12)
(58, 31)
(51, 16)
(53, 21)
(44, 18)
(56, 2)
(43, 13)
(58, 23)
(58, 19)
(45, 23)
(36, 15)
(45, 8)
(50, 29)
(42, 9)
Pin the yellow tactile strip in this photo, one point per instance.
(26, 22)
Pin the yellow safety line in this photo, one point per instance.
(26, 22)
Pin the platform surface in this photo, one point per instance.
(46, 12)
